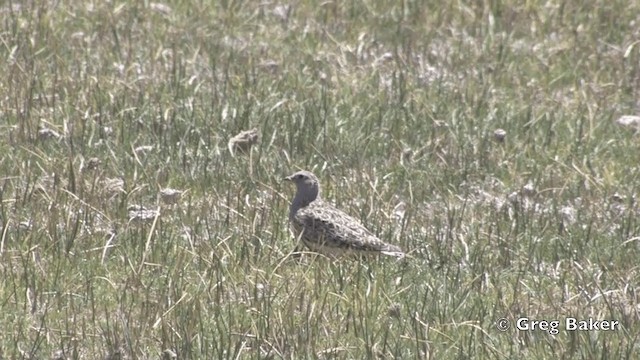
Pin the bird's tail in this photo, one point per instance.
(397, 254)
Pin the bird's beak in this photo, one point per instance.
(288, 178)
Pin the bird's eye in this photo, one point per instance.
(299, 176)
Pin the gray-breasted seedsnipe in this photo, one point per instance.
(327, 230)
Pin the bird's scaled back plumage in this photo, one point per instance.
(325, 229)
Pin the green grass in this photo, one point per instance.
(543, 225)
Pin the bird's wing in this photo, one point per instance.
(323, 224)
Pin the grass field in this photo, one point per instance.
(393, 104)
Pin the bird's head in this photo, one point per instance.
(307, 185)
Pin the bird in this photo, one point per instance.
(327, 230)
